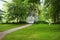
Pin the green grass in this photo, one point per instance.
(36, 32)
(4, 27)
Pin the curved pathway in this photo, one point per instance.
(2, 34)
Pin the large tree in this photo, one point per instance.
(19, 10)
(52, 10)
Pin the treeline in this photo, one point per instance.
(18, 10)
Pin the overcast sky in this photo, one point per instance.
(1, 3)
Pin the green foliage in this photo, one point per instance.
(1, 15)
(51, 10)
(19, 10)
(34, 1)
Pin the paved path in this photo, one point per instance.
(2, 34)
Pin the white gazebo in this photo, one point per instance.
(32, 18)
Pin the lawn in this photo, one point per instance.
(36, 32)
(4, 27)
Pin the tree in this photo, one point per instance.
(52, 10)
(1, 15)
(19, 10)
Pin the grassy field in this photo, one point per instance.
(4, 27)
(36, 32)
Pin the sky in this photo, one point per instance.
(1, 3)
(42, 2)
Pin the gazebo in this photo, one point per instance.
(32, 18)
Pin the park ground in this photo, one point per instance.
(34, 32)
(4, 27)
